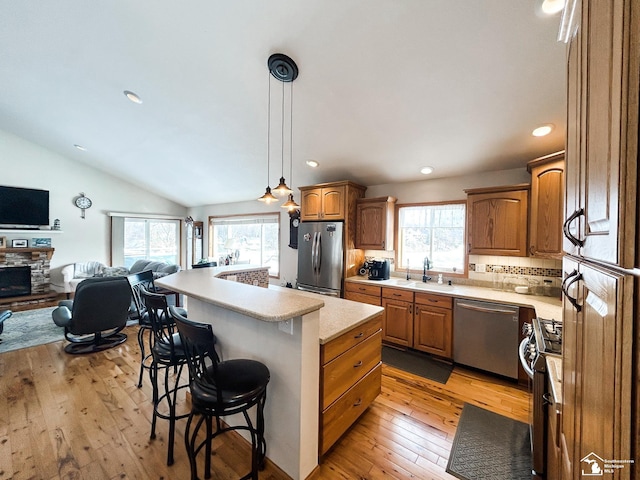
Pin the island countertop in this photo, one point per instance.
(338, 315)
(264, 304)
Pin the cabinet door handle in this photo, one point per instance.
(565, 228)
(565, 289)
(397, 294)
(383, 244)
(469, 248)
(359, 364)
(410, 309)
(360, 335)
(417, 310)
(532, 249)
(358, 403)
(362, 289)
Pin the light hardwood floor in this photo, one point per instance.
(82, 417)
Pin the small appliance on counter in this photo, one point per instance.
(379, 270)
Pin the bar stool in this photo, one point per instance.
(220, 388)
(168, 354)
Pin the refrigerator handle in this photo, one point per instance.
(314, 252)
(319, 252)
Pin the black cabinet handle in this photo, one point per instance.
(359, 364)
(565, 228)
(358, 403)
(360, 335)
(574, 276)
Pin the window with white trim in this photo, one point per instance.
(436, 231)
(253, 239)
(151, 239)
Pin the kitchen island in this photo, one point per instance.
(282, 328)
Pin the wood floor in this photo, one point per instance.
(82, 417)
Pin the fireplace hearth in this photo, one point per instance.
(15, 281)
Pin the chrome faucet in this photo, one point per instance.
(425, 268)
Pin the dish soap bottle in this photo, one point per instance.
(440, 282)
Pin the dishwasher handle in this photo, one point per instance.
(478, 308)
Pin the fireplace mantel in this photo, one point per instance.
(35, 252)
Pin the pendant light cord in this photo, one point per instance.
(291, 135)
(269, 128)
(282, 136)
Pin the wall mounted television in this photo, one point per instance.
(23, 207)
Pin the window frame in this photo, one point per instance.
(397, 249)
(276, 215)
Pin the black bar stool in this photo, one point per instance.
(168, 354)
(220, 388)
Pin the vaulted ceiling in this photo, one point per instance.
(385, 87)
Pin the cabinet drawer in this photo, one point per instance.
(344, 371)
(397, 294)
(434, 300)
(346, 410)
(363, 298)
(353, 337)
(362, 288)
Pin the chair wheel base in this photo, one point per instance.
(92, 347)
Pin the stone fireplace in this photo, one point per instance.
(14, 264)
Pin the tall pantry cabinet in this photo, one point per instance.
(601, 303)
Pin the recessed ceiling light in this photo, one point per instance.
(551, 7)
(132, 96)
(542, 130)
(426, 170)
(80, 147)
(312, 163)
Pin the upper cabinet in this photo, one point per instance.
(374, 223)
(327, 201)
(547, 206)
(497, 220)
(602, 133)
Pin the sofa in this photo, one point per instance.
(66, 279)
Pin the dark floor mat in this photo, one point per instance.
(417, 363)
(489, 446)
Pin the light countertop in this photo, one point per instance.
(338, 315)
(264, 304)
(545, 307)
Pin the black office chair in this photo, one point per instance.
(138, 311)
(93, 320)
(167, 354)
(221, 388)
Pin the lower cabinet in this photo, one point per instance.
(350, 379)
(433, 324)
(423, 321)
(397, 324)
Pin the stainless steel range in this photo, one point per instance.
(542, 337)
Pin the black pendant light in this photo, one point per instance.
(284, 69)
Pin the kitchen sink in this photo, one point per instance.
(400, 282)
(432, 286)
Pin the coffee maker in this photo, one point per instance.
(379, 270)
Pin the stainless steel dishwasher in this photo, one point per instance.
(485, 336)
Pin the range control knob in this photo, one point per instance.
(532, 350)
(527, 328)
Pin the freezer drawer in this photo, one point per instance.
(485, 336)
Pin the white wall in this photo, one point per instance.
(24, 164)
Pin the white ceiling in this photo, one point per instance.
(385, 87)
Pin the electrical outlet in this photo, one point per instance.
(286, 326)
(481, 267)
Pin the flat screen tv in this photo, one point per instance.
(23, 207)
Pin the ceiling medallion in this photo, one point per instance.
(282, 67)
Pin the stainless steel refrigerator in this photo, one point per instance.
(320, 257)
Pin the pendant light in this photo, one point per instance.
(268, 196)
(290, 204)
(285, 70)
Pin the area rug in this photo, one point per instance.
(29, 328)
(489, 446)
(417, 363)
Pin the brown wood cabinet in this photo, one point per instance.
(397, 323)
(547, 206)
(350, 379)
(374, 223)
(364, 293)
(601, 317)
(497, 220)
(433, 324)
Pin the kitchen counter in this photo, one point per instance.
(545, 307)
(338, 315)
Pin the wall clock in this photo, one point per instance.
(82, 203)
(294, 221)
